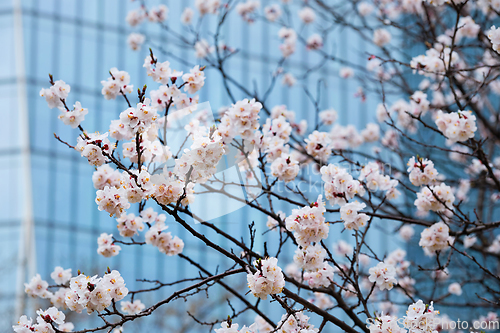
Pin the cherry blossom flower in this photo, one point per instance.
(106, 246)
(268, 280)
(435, 238)
(37, 287)
(116, 84)
(307, 15)
(132, 308)
(455, 289)
(272, 12)
(457, 126)
(158, 14)
(55, 94)
(381, 37)
(135, 41)
(187, 16)
(494, 37)
(349, 213)
(285, 169)
(437, 198)
(384, 275)
(61, 275)
(422, 171)
(308, 223)
(75, 117)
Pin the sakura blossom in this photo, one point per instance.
(107, 248)
(456, 126)
(308, 223)
(61, 275)
(381, 37)
(75, 117)
(437, 198)
(116, 84)
(55, 94)
(267, 280)
(132, 308)
(349, 213)
(340, 187)
(435, 238)
(285, 169)
(422, 171)
(383, 275)
(135, 41)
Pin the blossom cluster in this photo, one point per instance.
(318, 145)
(349, 213)
(344, 137)
(155, 14)
(242, 118)
(135, 40)
(309, 257)
(118, 83)
(93, 293)
(44, 321)
(494, 37)
(438, 198)
(420, 318)
(201, 161)
(405, 111)
(132, 308)
(308, 223)
(422, 171)
(39, 288)
(94, 147)
(384, 275)
(375, 180)
(320, 277)
(75, 117)
(289, 37)
(247, 9)
(106, 176)
(381, 37)
(169, 189)
(106, 246)
(318, 273)
(285, 169)
(272, 12)
(435, 238)
(397, 259)
(82, 293)
(112, 200)
(133, 121)
(267, 280)
(435, 61)
(56, 94)
(340, 187)
(157, 237)
(275, 135)
(456, 126)
(129, 225)
(297, 322)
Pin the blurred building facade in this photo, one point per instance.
(49, 217)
